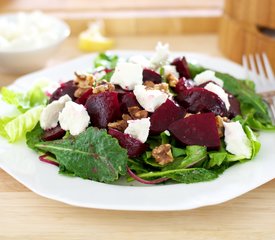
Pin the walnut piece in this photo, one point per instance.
(83, 82)
(137, 113)
(164, 87)
(120, 125)
(172, 80)
(220, 127)
(103, 87)
(163, 154)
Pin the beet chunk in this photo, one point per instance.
(128, 100)
(182, 67)
(84, 97)
(103, 108)
(234, 109)
(197, 129)
(196, 100)
(164, 115)
(65, 88)
(53, 134)
(133, 146)
(151, 75)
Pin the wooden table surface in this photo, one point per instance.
(25, 215)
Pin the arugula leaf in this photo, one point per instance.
(92, 154)
(195, 154)
(189, 175)
(255, 144)
(20, 125)
(34, 136)
(106, 61)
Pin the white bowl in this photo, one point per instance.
(24, 60)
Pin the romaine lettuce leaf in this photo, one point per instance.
(20, 125)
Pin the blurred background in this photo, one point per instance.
(218, 27)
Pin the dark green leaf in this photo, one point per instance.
(92, 154)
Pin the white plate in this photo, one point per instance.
(23, 164)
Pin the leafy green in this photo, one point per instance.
(20, 125)
(34, 136)
(194, 155)
(189, 175)
(24, 101)
(106, 61)
(92, 154)
(216, 158)
(255, 144)
(30, 106)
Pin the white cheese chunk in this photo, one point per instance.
(160, 56)
(138, 129)
(150, 100)
(127, 75)
(170, 69)
(212, 87)
(206, 76)
(74, 118)
(141, 60)
(49, 115)
(236, 140)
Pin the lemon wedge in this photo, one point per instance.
(93, 40)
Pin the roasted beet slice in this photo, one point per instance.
(234, 109)
(164, 115)
(182, 67)
(84, 97)
(151, 75)
(180, 87)
(103, 108)
(65, 88)
(197, 129)
(128, 100)
(133, 146)
(53, 134)
(196, 100)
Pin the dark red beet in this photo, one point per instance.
(53, 134)
(83, 99)
(128, 100)
(164, 115)
(65, 88)
(151, 75)
(234, 109)
(133, 146)
(103, 108)
(180, 87)
(182, 67)
(196, 100)
(197, 129)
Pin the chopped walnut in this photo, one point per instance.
(172, 80)
(219, 123)
(163, 154)
(103, 87)
(137, 113)
(84, 82)
(120, 125)
(126, 117)
(164, 87)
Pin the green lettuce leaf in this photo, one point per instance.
(255, 144)
(20, 125)
(106, 61)
(194, 154)
(92, 154)
(189, 175)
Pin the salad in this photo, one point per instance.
(153, 120)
